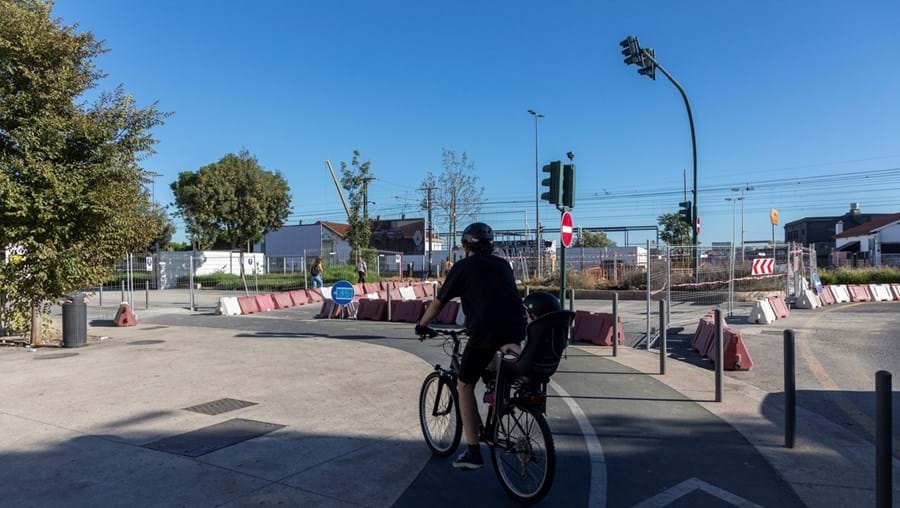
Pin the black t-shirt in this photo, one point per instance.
(490, 300)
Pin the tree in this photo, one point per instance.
(589, 239)
(355, 179)
(166, 231)
(71, 189)
(234, 200)
(457, 193)
(674, 230)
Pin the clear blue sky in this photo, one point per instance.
(780, 90)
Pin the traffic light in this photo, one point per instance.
(553, 184)
(568, 185)
(648, 65)
(631, 48)
(684, 211)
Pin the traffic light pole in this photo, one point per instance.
(562, 269)
(687, 106)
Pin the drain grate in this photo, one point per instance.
(220, 406)
(215, 437)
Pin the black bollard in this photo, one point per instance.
(884, 478)
(615, 318)
(790, 390)
(720, 355)
(663, 350)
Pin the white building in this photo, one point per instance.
(876, 242)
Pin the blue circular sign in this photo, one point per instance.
(342, 292)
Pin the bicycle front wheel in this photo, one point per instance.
(439, 415)
(523, 454)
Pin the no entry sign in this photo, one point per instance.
(566, 230)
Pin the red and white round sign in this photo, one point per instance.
(566, 231)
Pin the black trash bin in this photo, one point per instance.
(74, 321)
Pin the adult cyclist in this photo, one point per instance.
(495, 317)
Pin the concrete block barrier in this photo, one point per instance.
(880, 293)
(248, 304)
(448, 313)
(762, 313)
(704, 336)
(125, 316)
(859, 293)
(228, 306)
(895, 288)
(407, 293)
(282, 300)
(371, 287)
(372, 310)
(841, 294)
(429, 288)
(779, 306)
(419, 290)
(807, 300)
(265, 303)
(409, 311)
(826, 297)
(358, 289)
(315, 295)
(596, 328)
(736, 355)
(329, 310)
(299, 297)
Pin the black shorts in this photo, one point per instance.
(476, 357)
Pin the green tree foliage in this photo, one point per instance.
(589, 239)
(354, 179)
(234, 200)
(674, 230)
(166, 231)
(71, 188)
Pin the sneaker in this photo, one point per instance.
(469, 461)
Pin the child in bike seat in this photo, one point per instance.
(495, 317)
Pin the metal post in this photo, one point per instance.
(662, 337)
(122, 300)
(389, 304)
(191, 282)
(101, 295)
(615, 319)
(884, 483)
(284, 264)
(790, 390)
(146, 294)
(562, 275)
(303, 264)
(720, 356)
(527, 291)
(648, 294)
(668, 284)
(572, 299)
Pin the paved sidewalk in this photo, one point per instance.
(85, 427)
(829, 466)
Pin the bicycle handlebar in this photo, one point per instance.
(427, 332)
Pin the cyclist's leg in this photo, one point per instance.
(476, 357)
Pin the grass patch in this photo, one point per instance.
(273, 281)
(873, 275)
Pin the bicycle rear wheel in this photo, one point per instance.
(523, 454)
(439, 415)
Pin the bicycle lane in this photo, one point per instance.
(662, 449)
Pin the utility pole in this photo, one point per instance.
(365, 189)
(537, 208)
(748, 188)
(428, 203)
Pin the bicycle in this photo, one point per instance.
(516, 431)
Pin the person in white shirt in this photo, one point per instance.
(361, 269)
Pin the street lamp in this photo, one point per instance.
(537, 195)
(646, 59)
(747, 188)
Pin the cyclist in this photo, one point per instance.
(495, 317)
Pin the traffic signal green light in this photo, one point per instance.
(568, 185)
(685, 212)
(553, 184)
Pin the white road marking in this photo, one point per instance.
(684, 488)
(597, 496)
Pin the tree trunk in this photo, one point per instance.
(36, 326)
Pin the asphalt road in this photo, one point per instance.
(653, 441)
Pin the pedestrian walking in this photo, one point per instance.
(361, 269)
(447, 265)
(316, 271)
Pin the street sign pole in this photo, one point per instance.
(566, 234)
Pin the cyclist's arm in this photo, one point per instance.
(431, 312)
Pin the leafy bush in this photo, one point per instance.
(879, 275)
(272, 281)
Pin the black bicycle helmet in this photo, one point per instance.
(478, 232)
(539, 303)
